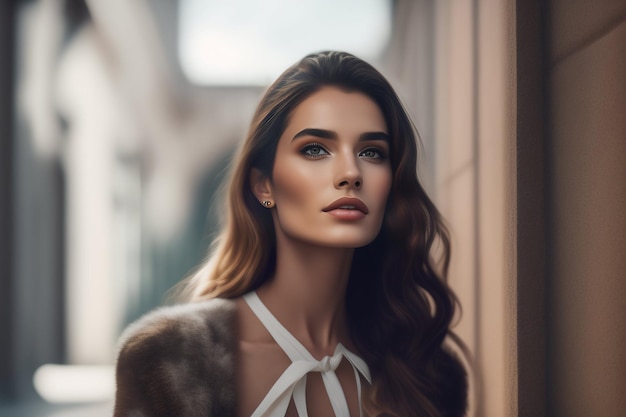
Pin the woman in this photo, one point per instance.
(321, 297)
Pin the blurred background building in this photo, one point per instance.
(118, 119)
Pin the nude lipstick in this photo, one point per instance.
(347, 208)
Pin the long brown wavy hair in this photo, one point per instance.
(399, 305)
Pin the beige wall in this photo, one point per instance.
(587, 309)
(556, 327)
(475, 134)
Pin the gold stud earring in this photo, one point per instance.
(267, 203)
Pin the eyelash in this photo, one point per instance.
(381, 155)
(306, 149)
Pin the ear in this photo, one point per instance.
(261, 186)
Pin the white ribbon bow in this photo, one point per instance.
(292, 383)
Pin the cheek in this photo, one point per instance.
(294, 185)
(381, 186)
(381, 191)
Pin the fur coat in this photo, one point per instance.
(180, 361)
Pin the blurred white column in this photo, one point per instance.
(87, 100)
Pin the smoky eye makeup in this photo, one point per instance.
(373, 153)
(314, 150)
(377, 149)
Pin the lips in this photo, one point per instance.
(347, 203)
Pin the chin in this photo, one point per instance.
(343, 241)
(340, 237)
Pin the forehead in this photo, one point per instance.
(339, 110)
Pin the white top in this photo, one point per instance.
(292, 383)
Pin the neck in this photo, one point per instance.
(307, 293)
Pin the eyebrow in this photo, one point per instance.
(329, 134)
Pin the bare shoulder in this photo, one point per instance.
(261, 360)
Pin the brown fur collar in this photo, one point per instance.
(179, 361)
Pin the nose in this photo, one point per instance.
(348, 174)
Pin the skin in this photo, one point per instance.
(334, 146)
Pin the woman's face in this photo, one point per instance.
(331, 174)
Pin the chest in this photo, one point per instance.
(261, 365)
